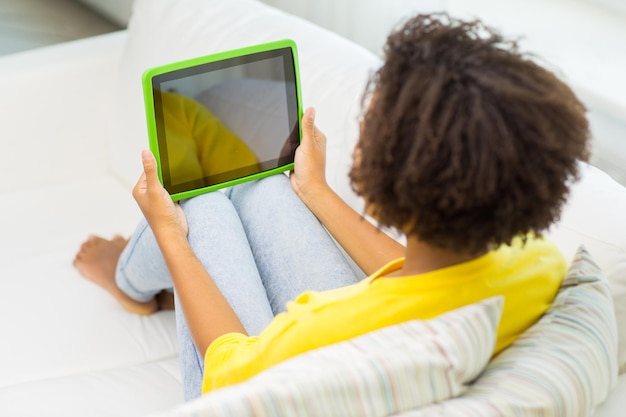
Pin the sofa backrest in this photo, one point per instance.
(333, 70)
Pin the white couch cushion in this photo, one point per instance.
(67, 345)
(333, 70)
(128, 391)
(391, 370)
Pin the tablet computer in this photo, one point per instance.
(222, 119)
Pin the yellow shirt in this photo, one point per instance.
(528, 277)
(198, 144)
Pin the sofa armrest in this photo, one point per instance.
(55, 106)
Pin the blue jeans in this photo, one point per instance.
(260, 244)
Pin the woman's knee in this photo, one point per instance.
(197, 208)
(275, 184)
(273, 188)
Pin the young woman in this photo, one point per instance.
(467, 147)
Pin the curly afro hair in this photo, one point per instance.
(465, 142)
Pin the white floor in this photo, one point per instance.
(29, 24)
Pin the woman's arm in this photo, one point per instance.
(206, 311)
(369, 247)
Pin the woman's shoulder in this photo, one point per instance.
(538, 248)
(534, 258)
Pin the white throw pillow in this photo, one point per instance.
(594, 217)
(564, 365)
(384, 372)
(333, 71)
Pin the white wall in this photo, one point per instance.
(367, 22)
(118, 11)
(616, 5)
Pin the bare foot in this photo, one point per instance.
(165, 300)
(96, 261)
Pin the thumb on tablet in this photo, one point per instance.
(149, 168)
(308, 121)
(148, 181)
(310, 133)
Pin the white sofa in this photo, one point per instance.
(72, 128)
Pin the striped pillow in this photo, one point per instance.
(384, 372)
(564, 365)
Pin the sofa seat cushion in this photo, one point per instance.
(133, 390)
(66, 342)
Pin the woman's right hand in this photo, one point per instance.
(154, 201)
(309, 174)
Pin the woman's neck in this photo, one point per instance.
(421, 258)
